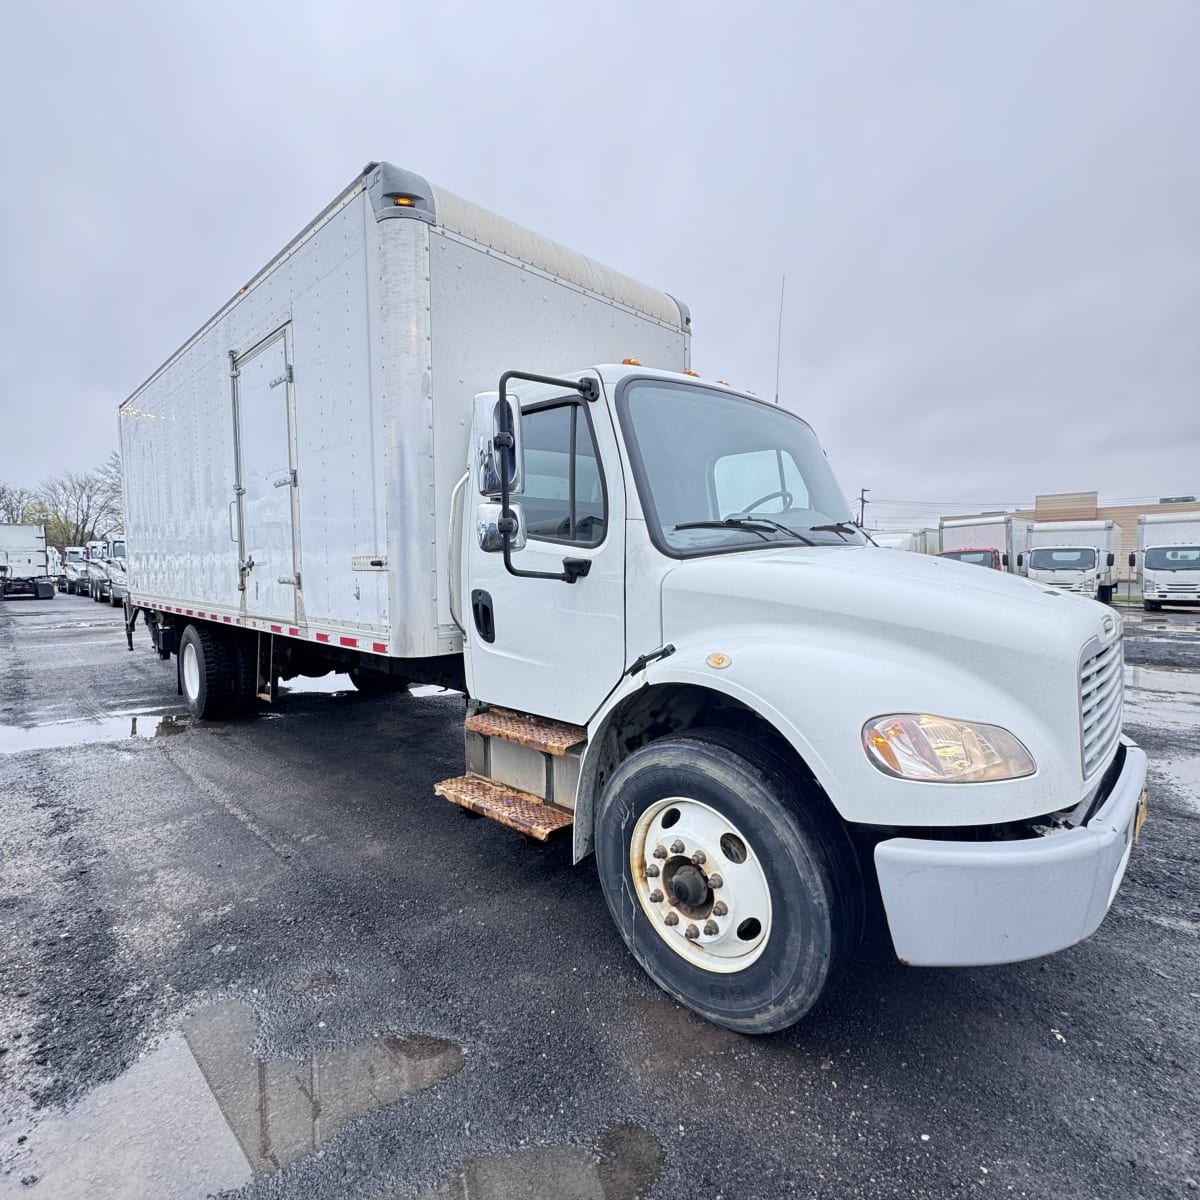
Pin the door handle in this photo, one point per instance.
(484, 615)
(233, 537)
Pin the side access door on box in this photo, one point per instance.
(265, 435)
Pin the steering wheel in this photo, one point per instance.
(784, 495)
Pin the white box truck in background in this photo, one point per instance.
(995, 541)
(917, 541)
(75, 571)
(24, 562)
(1168, 559)
(388, 455)
(1076, 556)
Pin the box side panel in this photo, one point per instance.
(177, 439)
(492, 314)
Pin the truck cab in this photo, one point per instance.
(752, 717)
(1072, 568)
(1170, 575)
(75, 571)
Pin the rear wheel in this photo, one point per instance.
(740, 903)
(1151, 606)
(371, 682)
(206, 673)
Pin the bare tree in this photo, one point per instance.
(77, 508)
(110, 478)
(14, 504)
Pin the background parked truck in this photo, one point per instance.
(387, 455)
(1076, 556)
(1168, 559)
(996, 541)
(24, 562)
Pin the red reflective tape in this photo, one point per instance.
(322, 637)
(348, 641)
(227, 620)
(294, 632)
(276, 628)
(379, 648)
(189, 612)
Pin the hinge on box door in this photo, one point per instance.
(290, 580)
(288, 481)
(286, 377)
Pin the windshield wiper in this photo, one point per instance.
(753, 524)
(842, 528)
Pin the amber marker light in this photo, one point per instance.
(404, 202)
(631, 362)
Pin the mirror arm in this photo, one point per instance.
(505, 442)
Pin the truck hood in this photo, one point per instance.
(893, 595)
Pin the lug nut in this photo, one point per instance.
(714, 880)
(659, 852)
(672, 918)
(652, 870)
(691, 933)
(699, 858)
(677, 847)
(656, 896)
(720, 908)
(711, 928)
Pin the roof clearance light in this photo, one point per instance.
(693, 374)
(631, 362)
(404, 202)
(724, 382)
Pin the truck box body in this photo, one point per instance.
(24, 563)
(350, 361)
(1168, 558)
(1090, 572)
(1006, 536)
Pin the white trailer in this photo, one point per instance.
(387, 455)
(24, 563)
(1168, 559)
(1076, 556)
(997, 541)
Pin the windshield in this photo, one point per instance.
(981, 558)
(118, 549)
(1060, 558)
(1173, 558)
(749, 473)
(74, 555)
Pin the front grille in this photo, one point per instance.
(1101, 695)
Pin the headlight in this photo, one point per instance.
(939, 750)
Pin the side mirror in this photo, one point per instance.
(487, 528)
(1112, 559)
(488, 423)
(1004, 559)
(1020, 560)
(1132, 559)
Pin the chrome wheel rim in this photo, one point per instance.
(700, 884)
(191, 672)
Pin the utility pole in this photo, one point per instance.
(862, 504)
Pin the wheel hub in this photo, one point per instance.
(700, 884)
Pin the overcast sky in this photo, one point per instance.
(988, 212)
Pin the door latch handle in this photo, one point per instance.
(289, 480)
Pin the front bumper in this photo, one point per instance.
(965, 904)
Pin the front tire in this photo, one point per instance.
(1151, 606)
(206, 673)
(738, 895)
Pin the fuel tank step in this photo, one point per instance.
(538, 733)
(518, 810)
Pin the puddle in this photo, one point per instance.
(625, 1166)
(14, 739)
(202, 1114)
(1151, 679)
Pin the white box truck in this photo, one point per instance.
(1168, 559)
(24, 562)
(106, 571)
(995, 541)
(388, 455)
(1076, 556)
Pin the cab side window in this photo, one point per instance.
(564, 488)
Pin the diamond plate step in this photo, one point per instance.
(518, 810)
(538, 733)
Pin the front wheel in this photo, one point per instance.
(1150, 606)
(737, 895)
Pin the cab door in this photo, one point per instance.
(546, 646)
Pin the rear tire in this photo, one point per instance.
(206, 673)
(372, 683)
(1151, 606)
(1106, 595)
(789, 904)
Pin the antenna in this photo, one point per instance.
(779, 335)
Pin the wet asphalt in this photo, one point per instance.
(262, 959)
